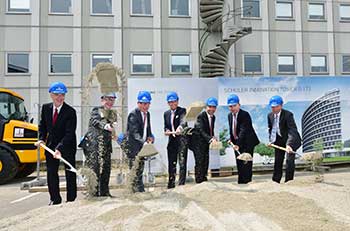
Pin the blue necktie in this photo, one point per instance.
(274, 130)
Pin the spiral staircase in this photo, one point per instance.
(213, 64)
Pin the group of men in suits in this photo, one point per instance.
(282, 132)
(58, 124)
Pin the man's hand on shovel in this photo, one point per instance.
(57, 154)
(38, 143)
(289, 149)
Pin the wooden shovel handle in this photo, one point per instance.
(278, 147)
(61, 158)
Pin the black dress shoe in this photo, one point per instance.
(205, 179)
(54, 203)
(107, 195)
(171, 186)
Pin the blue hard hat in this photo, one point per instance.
(58, 88)
(144, 97)
(121, 137)
(232, 100)
(212, 102)
(275, 101)
(172, 96)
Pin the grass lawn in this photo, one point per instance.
(338, 158)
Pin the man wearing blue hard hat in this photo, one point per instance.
(243, 137)
(57, 129)
(283, 132)
(177, 148)
(203, 135)
(97, 142)
(139, 133)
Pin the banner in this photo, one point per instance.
(321, 108)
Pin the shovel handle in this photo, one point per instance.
(277, 147)
(61, 158)
(282, 148)
(231, 144)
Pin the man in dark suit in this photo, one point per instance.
(243, 136)
(283, 132)
(203, 135)
(57, 129)
(177, 148)
(139, 133)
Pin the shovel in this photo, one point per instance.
(283, 149)
(85, 175)
(148, 150)
(244, 156)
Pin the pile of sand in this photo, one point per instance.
(214, 205)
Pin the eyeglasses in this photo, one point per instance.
(109, 98)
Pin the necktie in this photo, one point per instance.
(235, 126)
(211, 126)
(172, 122)
(55, 115)
(144, 119)
(274, 130)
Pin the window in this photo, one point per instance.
(284, 10)
(286, 63)
(318, 64)
(101, 6)
(100, 58)
(141, 7)
(252, 63)
(17, 63)
(251, 8)
(142, 63)
(61, 6)
(316, 11)
(179, 7)
(60, 63)
(344, 12)
(18, 6)
(180, 63)
(346, 63)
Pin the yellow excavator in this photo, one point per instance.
(18, 155)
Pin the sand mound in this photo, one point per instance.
(298, 205)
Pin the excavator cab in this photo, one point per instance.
(18, 155)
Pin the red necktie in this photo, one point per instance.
(211, 126)
(55, 115)
(144, 119)
(235, 126)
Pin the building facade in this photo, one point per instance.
(42, 41)
(322, 121)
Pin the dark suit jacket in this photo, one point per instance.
(247, 138)
(178, 120)
(289, 131)
(61, 136)
(202, 129)
(135, 131)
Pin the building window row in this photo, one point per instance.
(61, 63)
(179, 8)
(320, 128)
(284, 10)
(286, 64)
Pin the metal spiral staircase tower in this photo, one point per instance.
(212, 14)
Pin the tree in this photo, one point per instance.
(318, 145)
(262, 149)
(339, 146)
(223, 137)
